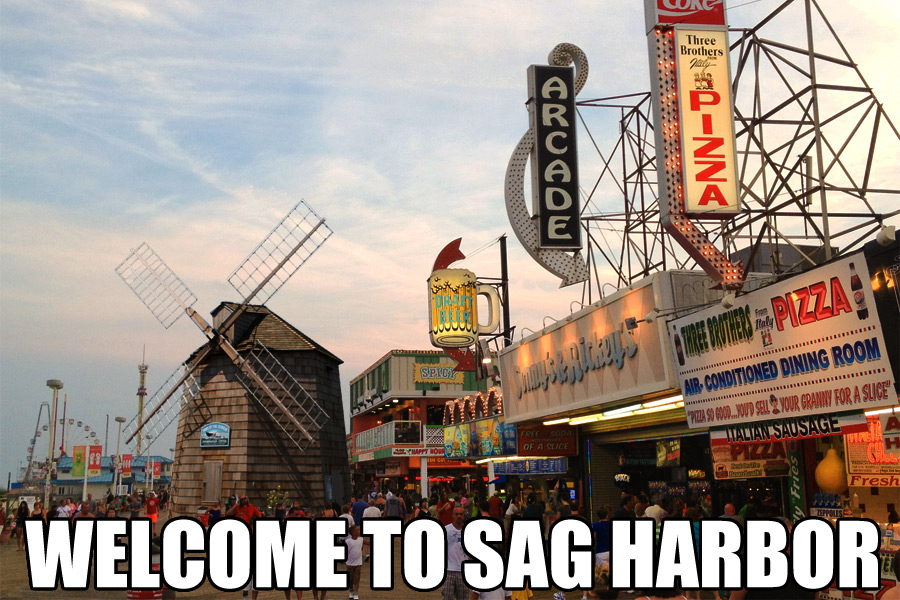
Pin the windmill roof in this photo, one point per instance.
(260, 325)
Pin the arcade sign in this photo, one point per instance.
(554, 159)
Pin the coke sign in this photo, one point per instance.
(690, 12)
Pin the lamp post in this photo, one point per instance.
(55, 385)
(118, 473)
(149, 439)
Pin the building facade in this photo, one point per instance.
(230, 443)
(397, 413)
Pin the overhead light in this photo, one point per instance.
(482, 461)
(884, 411)
(557, 421)
(886, 236)
(662, 401)
(587, 419)
(624, 409)
(728, 300)
(396, 400)
(651, 316)
(659, 408)
(486, 357)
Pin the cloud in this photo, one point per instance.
(195, 127)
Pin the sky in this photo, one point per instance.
(196, 126)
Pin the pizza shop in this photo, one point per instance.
(796, 392)
(606, 372)
(518, 459)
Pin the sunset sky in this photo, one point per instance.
(196, 126)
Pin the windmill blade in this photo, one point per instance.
(290, 244)
(289, 405)
(166, 404)
(157, 286)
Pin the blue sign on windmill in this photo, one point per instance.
(215, 435)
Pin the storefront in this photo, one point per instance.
(606, 373)
(396, 411)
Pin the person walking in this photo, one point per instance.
(151, 508)
(357, 508)
(372, 511)
(21, 515)
(394, 507)
(356, 548)
(247, 513)
(454, 584)
(134, 507)
(39, 511)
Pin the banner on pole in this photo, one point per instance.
(95, 461)
(78, 461)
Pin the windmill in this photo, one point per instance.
(292, 413)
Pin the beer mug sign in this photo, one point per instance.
(453, 299)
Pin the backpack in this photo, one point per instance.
(392, 507)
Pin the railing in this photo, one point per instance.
(390, 434)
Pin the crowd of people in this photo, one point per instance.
(453, 510)
(111, 506)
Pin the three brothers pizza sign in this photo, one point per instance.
(808, 345)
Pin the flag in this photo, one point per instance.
(78, 460)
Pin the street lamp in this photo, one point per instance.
(149, 439)
(118, 475)
(55, 385)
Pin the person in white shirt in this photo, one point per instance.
(454, 584)
(356, 547)
(498, 594)
(345, 514)
(372, 510)
(656, 512)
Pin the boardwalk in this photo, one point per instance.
(14, 586)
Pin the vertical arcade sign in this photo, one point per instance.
(554, 159)
(688, 44)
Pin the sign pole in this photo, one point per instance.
(84, 484)
(423, 468)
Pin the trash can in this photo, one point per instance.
(148, 594)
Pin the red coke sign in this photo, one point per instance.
(690, 12)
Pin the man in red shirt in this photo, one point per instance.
(152, 508)
(245, 511)
(445, 511)
(496, 504)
